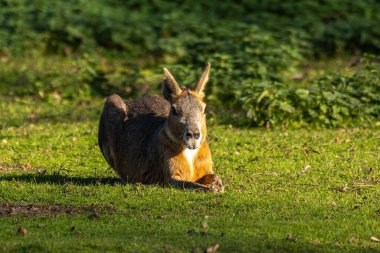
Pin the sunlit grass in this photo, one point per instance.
(286, 190)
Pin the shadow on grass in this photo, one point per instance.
(61, 179)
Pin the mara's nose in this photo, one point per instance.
(193, 135)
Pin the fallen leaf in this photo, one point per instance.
(41, 93)
(291, 238)
(213, 248)
(375, 239)
(56, 96)
(267, 124)
(4, 58)
(204, 225)
(22, 231)
(307, 167)
(41, 172)
(345, 188)
(353, 240)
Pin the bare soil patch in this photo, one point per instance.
(94, 211)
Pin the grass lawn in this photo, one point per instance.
(286, 190)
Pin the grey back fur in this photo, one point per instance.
(130, 129)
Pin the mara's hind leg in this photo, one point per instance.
(110, 126)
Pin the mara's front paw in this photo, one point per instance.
(217, 185)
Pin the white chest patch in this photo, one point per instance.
(190, 155)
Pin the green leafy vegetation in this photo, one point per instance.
(332, 100)
(162, 27)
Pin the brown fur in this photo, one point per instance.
(147, 139)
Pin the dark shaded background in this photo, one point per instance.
(272, 60)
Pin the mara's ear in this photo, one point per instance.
(203, 80)
(170, 87)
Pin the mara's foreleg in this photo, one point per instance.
(204, 173)
(188, 185)
(212, 181)
(209, 182)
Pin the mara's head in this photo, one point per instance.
(187, 119)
